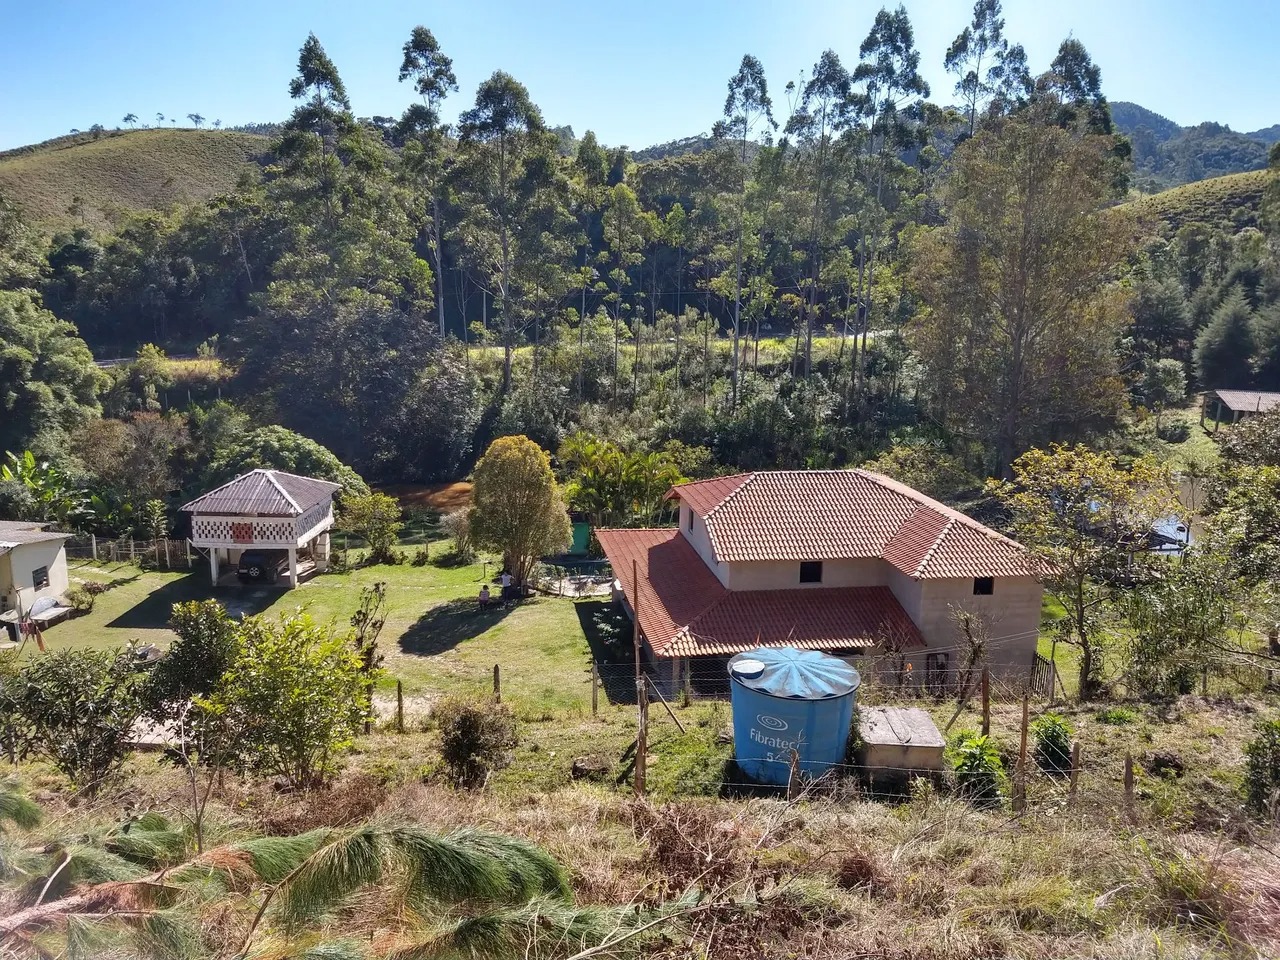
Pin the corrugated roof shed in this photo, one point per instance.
(14, 533)
(1248, 401)
(265, 493)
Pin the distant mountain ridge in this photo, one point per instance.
(1166, 154)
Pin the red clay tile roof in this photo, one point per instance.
(684, 610)
(846, 514)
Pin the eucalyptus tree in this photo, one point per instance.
(514, 226)
(975, 56)
(424, 155)
(131, 119)
(821, 112)
(1077, 82)
(746, 105)
(624, 237)
(889, 78)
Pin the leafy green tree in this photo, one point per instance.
(1253, 442)
(746, 105)
(476, 738)
(207, 645)
(376, 518)
(433, 79)
(1246, 502)
(1161, 317)
(1262, 769)
(51, 383)
(1077, 81)
(514, 203)
(822, 111)
(75, 709)
(1225, 346)
(1164, 384)
(624, 235)
(1016, 338)
(293, 698)
(196, 119)
(51, 495)
(613, 487)
(131, 119)
(976, 55)
(516, 507)
(276, 448)
(1183, 622)
(1266, 338)
(1081, 515)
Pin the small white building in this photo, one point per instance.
(265, 510)
(33, 564)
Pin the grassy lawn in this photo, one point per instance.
(436, 639)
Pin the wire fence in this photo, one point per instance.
(162, 553)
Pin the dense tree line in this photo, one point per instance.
(838, 269)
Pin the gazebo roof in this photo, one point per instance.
(265, 493)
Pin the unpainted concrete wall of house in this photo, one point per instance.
(1012, 612)
(22, 561)
(785, 574)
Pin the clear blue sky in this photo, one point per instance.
(636, 73)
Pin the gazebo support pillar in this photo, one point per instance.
(293, 567)
(213, 565)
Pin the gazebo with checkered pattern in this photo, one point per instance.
(265, 510)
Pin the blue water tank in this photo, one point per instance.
(786, 699)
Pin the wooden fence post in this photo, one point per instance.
(642, 733)
(93, 546)
(1020, 784)
(1128, 787)
(595, 690)
(1204, 681)
(986, 701)
(1074, 789)
(635, 613)
(133, 556)
(188, 546)
(497, 684)
(399, 707)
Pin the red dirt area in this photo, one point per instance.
(443, 497)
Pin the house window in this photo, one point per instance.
(691, 519)
(40, 577)
(984, 586)
(811, 571)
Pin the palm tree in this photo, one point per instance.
(131, 119)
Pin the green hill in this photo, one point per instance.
(1230, 201)
(124, 170)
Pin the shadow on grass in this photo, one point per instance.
(153, 611)
(609, 635)
(444, 627)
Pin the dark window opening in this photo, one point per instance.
(40, 577)
(937, 673)
(984, 586)
(691, 519)
(811, 571)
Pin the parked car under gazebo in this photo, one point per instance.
(259, 513)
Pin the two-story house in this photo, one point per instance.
(845, 561)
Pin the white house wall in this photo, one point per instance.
(22, 561)
(275, 532)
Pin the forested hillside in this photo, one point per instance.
(96, 180)
(803, 289)
(1166, 154)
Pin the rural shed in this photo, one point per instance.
(899, 743)
(265, 510)
(1232, 405)
(33, 565)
